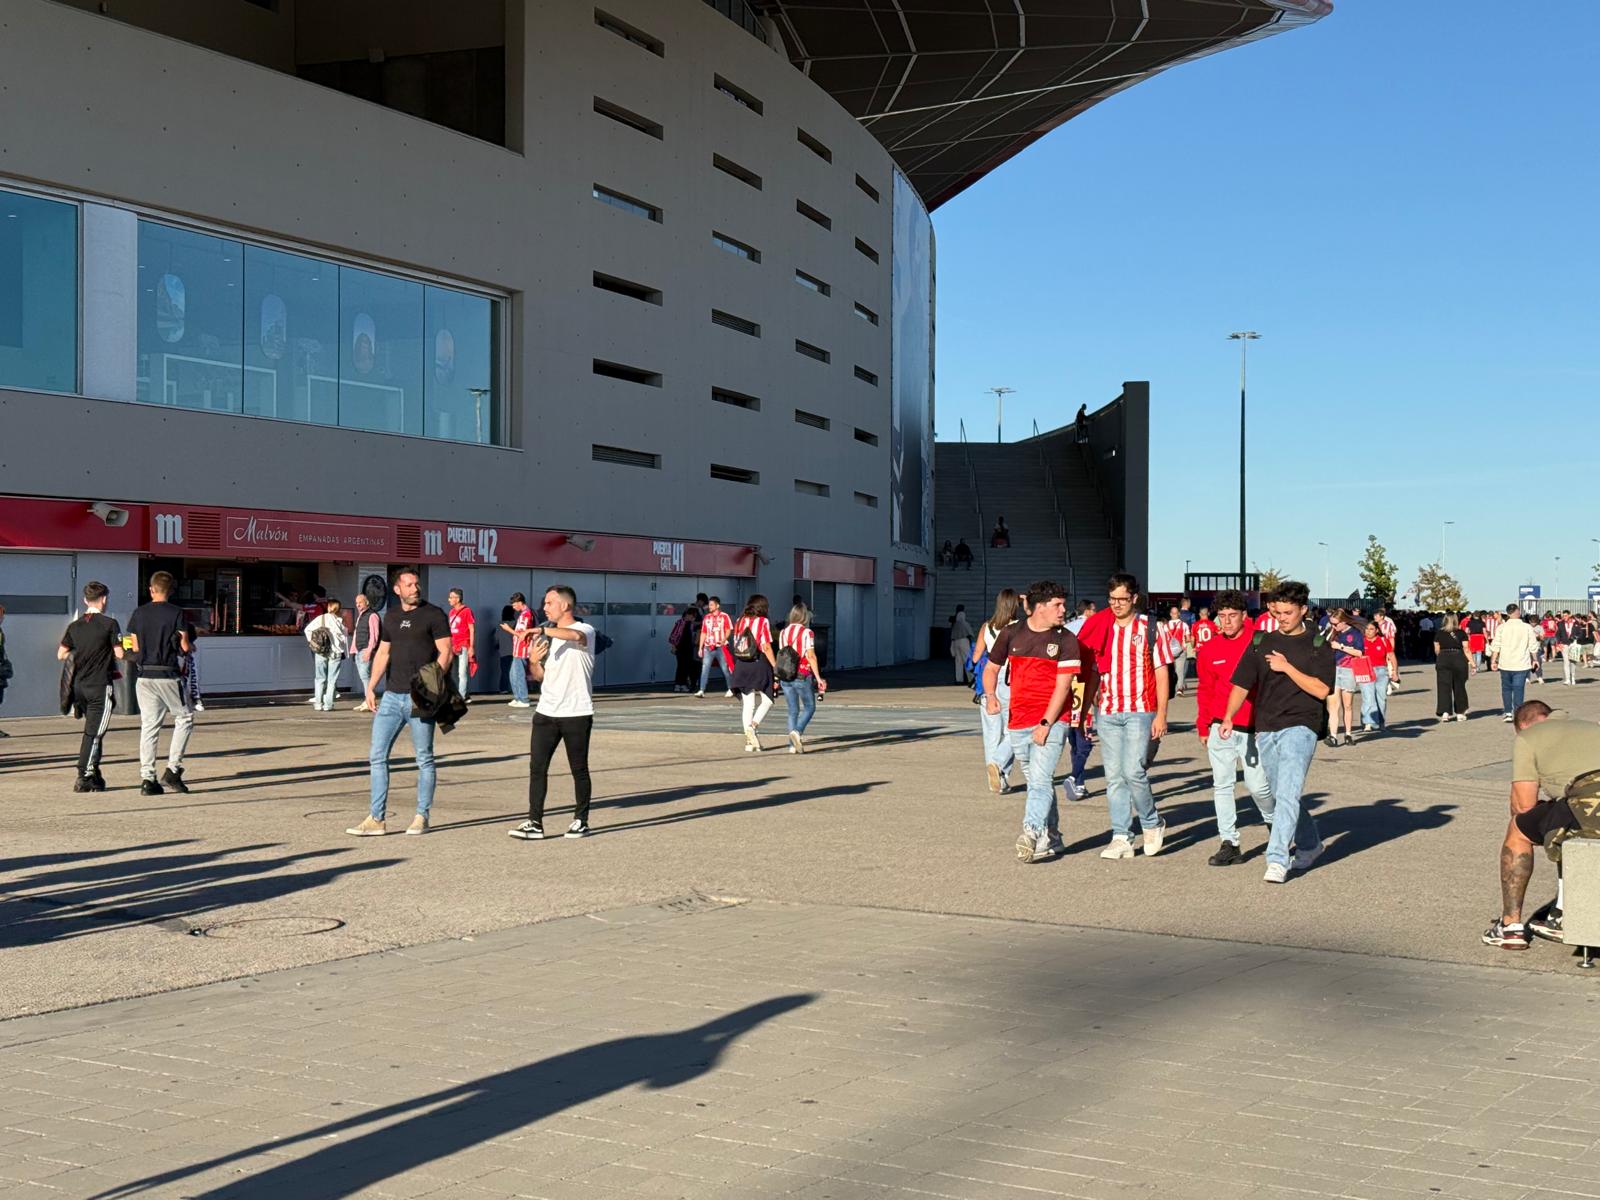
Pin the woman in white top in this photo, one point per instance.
(330, 657)
(961, 643)
(997, 752)
(801, 691)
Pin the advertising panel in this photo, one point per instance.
(911, 370)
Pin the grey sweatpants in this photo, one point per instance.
(157, 698)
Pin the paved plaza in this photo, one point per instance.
(821, 975)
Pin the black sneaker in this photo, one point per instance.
(1333, 742)
(1547, 925)
(83, 783)
(1507, 937)
(173, 778)
(577, 829)
(150, 788)
(529, 831)
(1227, 854)
(97, 780)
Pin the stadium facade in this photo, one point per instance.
(637, 295)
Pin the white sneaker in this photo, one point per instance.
(1461, 716)
(700, 694)
(728, 694)
(1153, 839)
(199, 707)
(1120, 847)
(1075, 789)
(519, 704)
(1276, 873)
(796, 743)
(752, 743)
(1304, 858)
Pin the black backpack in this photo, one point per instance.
(786, 664)
(742, 645)
(322, 641)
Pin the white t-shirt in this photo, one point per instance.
(568, 686)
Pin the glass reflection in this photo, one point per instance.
(380, 352)
(463, 403)
(191, 310)
(291, 361)
(38, 293)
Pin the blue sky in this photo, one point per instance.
(1404, 199)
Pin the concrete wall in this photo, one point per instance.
(1119, 435)
(235, 144)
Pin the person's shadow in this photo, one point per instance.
(453, 1119)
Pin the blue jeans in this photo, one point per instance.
(1081, 746)
(714, 655)
(1286, 757)
(394, 713)
(1375, 699)
(1512, 685)
(1124, 745)
(1227, 756)
(519, 679)
(463, 670)
(364, 674)
(996, 738)
(326, 687)
(1039, 768)
(801, 696)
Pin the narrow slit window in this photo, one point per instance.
(737, 324)
(802, 417)
(866, 314)
(735, 246)
(817, 215)
(863, 248)
(867, 189)
(743, 174)
(623, 371)
(807, 487)
(821, 287)
(628, 204)
(867, 499)
(810, 351)
(628, 33)
(623, 116)
(866, 376)
(871, 439)
(626, 287)
(737, 94)
(813, 145)
(734, 474)
(736, 399)
(625, 458)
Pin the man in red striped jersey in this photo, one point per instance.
(1043, 661)
(1130, 660)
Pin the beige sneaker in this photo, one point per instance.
(368, 828)
(419, 824)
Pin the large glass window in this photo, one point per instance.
(463, 351)
(38, 293)
(245, 328)
(191, 312)
(380, 352)
(291, 336)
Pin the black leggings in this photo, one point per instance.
(548, 732)
(1451, 673)
(96, 702)
(688, 669)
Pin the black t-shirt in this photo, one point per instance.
(411, 636)
(1277, 701)
(156, 625)
(91, 639)
(1451, 641)
(1474, 626)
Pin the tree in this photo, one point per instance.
(1271, 578)
(1380, 575)
(1437, 590)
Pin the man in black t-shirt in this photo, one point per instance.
(160, 633)
(1287, 675)
(411, 635)
(94, 644)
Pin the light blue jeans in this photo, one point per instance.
(364, 674)
(1286, 757)
(1039, 769)
(1227, 756)
(714, 655)
(326, 687)
(1375, 699)
(394, 714)
(463, 670)
(801, 696)
(1124, 744)
(519, 679)
(996, 738)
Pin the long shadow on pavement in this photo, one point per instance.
(756, 802)
(632, 800)
(471, 1113)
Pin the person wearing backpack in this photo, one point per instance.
(998, 756)
(795, 665)
(328, 639)
(682, 642)
(753, 665)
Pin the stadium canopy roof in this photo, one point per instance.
(953, 88)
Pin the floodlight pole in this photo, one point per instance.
(1244, 337)
(1000, 394)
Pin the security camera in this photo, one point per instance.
(113, 516)
(585, 544)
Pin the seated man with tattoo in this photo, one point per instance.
(1550, 751)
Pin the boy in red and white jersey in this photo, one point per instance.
(1130, 695)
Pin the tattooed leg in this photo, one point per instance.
(1516, 868)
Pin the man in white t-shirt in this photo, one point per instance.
(561, 657)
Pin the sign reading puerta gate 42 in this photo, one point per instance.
(489, 545)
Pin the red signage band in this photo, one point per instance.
(910, 575)
(821, 566)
